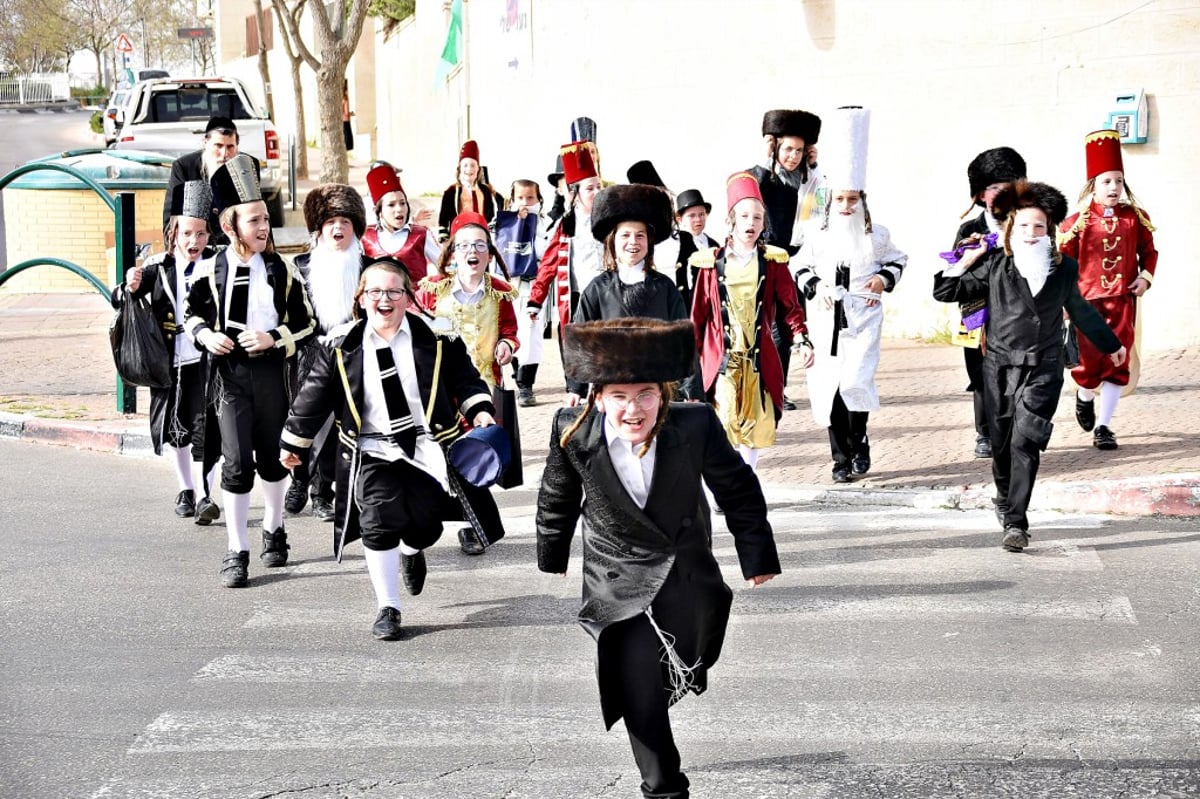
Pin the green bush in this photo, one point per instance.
(97, 122)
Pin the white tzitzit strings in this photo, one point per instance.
(680, 674)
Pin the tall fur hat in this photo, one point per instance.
(334, 199)
(636, 202)
(997, 165)
(1027, 194)
(630, 350)
(785, 122)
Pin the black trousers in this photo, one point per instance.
(782, 335)
(973, 359)
(635, 654)
(253, 407)
(397, 501)
(186, 428)
(847, 433)
(319, 473)
(1021, 401)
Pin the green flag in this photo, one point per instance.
(452, 52)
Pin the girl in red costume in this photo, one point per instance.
(397, 231)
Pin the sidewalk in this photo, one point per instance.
(57, 386)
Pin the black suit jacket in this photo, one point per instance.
(191, 167)
(660, 556)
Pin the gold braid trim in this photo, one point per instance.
(1142, 217)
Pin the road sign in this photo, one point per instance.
(124, 45)
(194, 33)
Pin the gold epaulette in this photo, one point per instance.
(703, 259)
(501, 289)
(435, 284)
(776, 254)
(1145, 220)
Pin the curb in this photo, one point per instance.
(1158, 495)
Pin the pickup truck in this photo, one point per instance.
(168, 115)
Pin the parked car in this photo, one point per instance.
(114, 115)
(168, 115)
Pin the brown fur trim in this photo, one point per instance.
(629, 350)
(335, 199)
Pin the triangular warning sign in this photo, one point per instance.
(124, 45)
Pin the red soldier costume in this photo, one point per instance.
(382, 179)
(1114, 247)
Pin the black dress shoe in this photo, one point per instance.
(1085, 413)
(185, 504)
(235, 569)
(387, 625)
(469, 541)
(1001, 508)
(788, 405)
(412, 571)
(296, 497)
(983, 447)
(1015, 539)
(207, 512)
(841, 474)
(1103, 438)
(275, 549)
(323, 509)
(860, 464)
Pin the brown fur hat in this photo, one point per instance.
(335, 199)
(1027, 194)
(785, 122)
(631, 350)
(636, 202)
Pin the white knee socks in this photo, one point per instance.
(273, 494)
(1087, 394)
(383, 566)
(1110, 394)
(183, 466)
(749, 455)
(237, 515)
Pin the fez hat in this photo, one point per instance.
(467, 218)
(577, 162)
(1027, 194)
(998, 165)
(635, 202)
(235, 182)
(784, 122)
(629, 350)
(383, 178)
(334, 199)
(470, 149)
(192, 198)
(739, 186)
(1103, 151)
(482, 455)
(690, 198)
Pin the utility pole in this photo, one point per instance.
(145, 47)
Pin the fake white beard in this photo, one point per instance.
(332, 280)
(849, 242)
(1032, 261)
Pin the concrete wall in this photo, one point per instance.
(685, 82)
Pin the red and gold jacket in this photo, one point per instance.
(481, 326)
(412, 254)
(1112, 251)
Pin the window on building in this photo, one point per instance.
(252, 33)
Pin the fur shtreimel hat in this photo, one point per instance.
(235, 182)
(998, 165)
(334, 199)
(631, 350)
(637, 203)
(785, 122)
(1027, 194)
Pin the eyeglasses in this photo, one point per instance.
(379, 294)
(645, 400)
(467, 246)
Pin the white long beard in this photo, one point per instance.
(849, 243)
(332, 280)
(1032, 261)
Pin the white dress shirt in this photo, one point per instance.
(428, 455)
(632, 274)
(185, 349)
(260, 309)
(634, 473)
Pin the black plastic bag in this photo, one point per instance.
(1070, 347)
(505, 400)
(139, 352)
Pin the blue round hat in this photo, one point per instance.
(482, 455)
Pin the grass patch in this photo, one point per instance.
(29, 407)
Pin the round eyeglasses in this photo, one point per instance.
(644, 400)
(379, 294)
(467, 246)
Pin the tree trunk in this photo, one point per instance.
(301, 127)
(263, 67)
(335, 165)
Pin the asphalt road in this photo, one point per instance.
(902, 654)
(26, 136)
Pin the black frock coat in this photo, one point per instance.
(334, 384)
(659, 557)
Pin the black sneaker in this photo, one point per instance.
(1015, 539)
(323, 509)
(469, 542)
(296, 497)
(983, 447)
(412, 571)
(1103, 438)
(1085, 413)
(387, 625)
(860, 464)
(275, 549)
(788, 405)
(207, 512)
(235, 569)
(525, 397)
(185, 504)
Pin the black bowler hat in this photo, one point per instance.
(690, 198)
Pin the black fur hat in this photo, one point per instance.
(1027, 194)
(784, 122)
(998, 165)
(335, 199)
(636, 202)
(631, 350)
